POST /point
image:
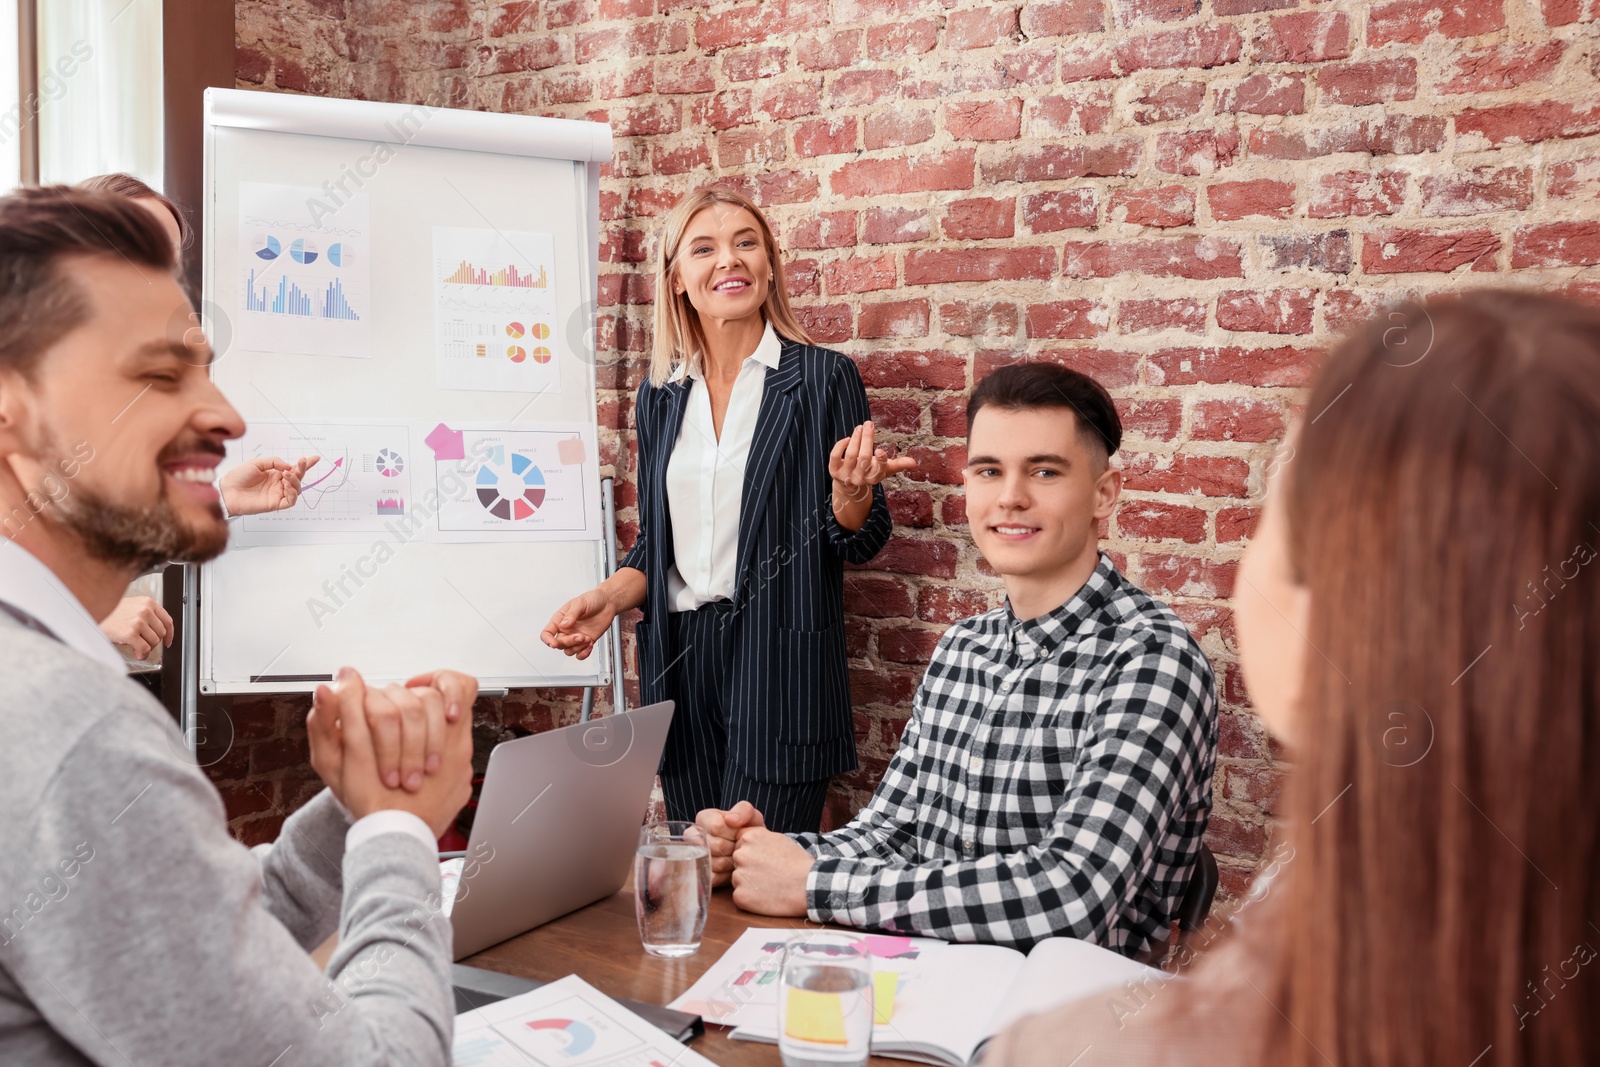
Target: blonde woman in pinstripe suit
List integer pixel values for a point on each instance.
(758, 480)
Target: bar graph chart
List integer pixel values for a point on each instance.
(287, 298)
(470, 274)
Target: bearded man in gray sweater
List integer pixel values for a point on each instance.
(133, 929)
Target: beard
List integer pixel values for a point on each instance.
(136, 538)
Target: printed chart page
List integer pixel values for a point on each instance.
(564, 1024)
(494, 297)
(305, 279)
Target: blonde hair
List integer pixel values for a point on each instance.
(678, 336)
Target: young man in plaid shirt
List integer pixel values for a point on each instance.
(1055, 777)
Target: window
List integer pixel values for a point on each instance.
(10, 98)
(100, 99)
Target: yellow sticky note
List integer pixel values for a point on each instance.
(884, 983)
(815, 1017)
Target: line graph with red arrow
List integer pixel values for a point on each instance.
(313, 493)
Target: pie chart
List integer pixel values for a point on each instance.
(514, 329)
(269, 247)
(389, 463)
(516, 353)
(579, 1037)
(513, 493)
(541, 355)
(541, 330)
(302, 251)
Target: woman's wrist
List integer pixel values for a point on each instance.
(620, 589)
(851, 504)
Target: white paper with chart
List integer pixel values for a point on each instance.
(568, 1023)
(304, 275)
(494, 297)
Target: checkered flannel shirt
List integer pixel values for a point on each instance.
(1055, 778)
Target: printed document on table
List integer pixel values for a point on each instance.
(564, 1024)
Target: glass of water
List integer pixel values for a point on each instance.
(671, 887)
(825, 1001)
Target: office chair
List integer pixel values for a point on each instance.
(1193, 909)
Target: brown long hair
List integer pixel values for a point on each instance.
(678, 336)
(1443, 509)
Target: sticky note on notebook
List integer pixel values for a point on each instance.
(815, 1017)
(887, 948)
(884, 984)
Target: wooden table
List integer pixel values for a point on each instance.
(600, 944)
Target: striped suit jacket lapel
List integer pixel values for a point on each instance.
(772, 431)
(677, 403)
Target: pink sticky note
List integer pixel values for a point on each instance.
(570, 451)
(887, 948)
(446, 443)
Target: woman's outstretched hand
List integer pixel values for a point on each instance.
(578, 623)
(856, 464)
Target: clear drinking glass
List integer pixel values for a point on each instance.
(671, 887)
(825, 1002)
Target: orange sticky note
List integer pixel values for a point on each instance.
(817, 1017)
(884, 984)
(570, 451)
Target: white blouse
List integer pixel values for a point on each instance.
(705, 481)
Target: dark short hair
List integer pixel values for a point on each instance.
(1024, 386)
(134, 189)
(40, 301)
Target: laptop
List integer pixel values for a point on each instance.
(557, 824)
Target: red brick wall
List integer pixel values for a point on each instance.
(1187, 198)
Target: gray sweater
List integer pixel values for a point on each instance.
(135, 931)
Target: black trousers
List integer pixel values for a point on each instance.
(698, 773)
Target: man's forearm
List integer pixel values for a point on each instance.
(301, 880)
(1024, 898)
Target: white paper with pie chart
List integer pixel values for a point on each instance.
(538, 484)
(495, 310)
(305, 283)
(565, 1023)
(359, 488)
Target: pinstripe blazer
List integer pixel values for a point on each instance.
(789, 697)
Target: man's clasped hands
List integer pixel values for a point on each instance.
(396, 747)
(768, 870)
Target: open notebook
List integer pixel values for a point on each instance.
(935, 1002)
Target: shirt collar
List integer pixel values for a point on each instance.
(29, 586)
(1047, 631)
(769, 350)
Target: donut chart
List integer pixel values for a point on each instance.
(510, 494)
(579, 1036)
(389, 463)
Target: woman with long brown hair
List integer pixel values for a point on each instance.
(1419, 617)
(758, 480)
